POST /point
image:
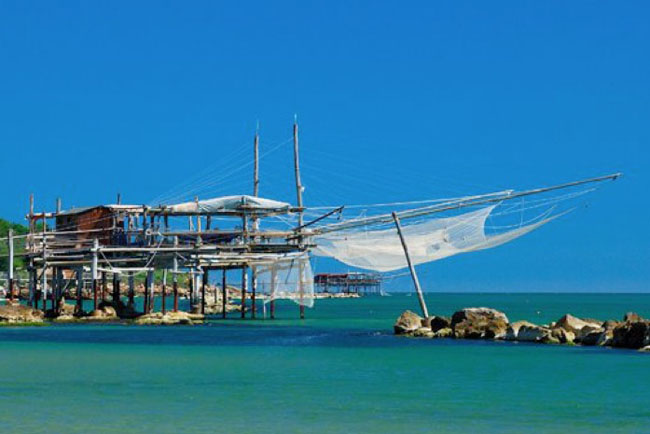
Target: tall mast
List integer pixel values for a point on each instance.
(256, 170)
(296, 165)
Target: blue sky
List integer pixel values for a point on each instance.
(395, 101)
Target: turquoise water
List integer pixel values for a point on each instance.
(341, 370)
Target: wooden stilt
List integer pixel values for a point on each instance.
(10, 271)
(414, 276)
(224, 294)
(44, 275)
(145, 304)
(116, 287)
(104, 286)
(93, 270)
(253, 293)
(203, 284)
(150, 290)
(164, 292)
(131, 295)
(80, 285)
(175, 277)
(274, 276)
(244, 282)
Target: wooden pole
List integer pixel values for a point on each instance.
(119, 199)
(104, 286)
(131, 295)
(224, 294)
(150, 291)
(274, 276)
(244, 282)
(44, 276)
(175, 276)
(10, 273)
(203, 285)
(32, 244)
(414, 276)
(164, 291)
(255, 222)
(80, 285)
(116, 287)
(32, 284)
(93, 270)
(299, 188)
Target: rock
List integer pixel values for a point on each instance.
(423, 332)
(535, 333)
(587, 330)
(443, 333)
(407, 322)
(479, 323)
(513, 329)
(66, 318)
(66, 309)
(436, 322)
(563, 336)
(169, 318)
(645, 349)
(105, 312)
(632, 335)
(574, 324)
(632, 317)
(18, 313)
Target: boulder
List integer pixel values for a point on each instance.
(408, 322)
(645, 349)
(479, 323)
(18, 313)
(423, 332)
(436, 322)
(443, 333)
(563, 336)
(535, 333)
(632, 335)
(575, 325)
(169, 318)
(105, 312)
(632, 317)
(513, 329)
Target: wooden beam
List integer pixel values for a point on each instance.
(414, 276)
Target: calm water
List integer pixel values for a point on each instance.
(341, 370)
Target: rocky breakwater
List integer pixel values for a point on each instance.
(169, 318)
(485, 323)
(17, 314)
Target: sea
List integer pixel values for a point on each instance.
(341, 370)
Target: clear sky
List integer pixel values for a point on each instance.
(396, 101)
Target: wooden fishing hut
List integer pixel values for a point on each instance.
(92, 243)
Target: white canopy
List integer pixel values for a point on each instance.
(230, 203)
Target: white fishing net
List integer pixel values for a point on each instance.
(287, 278)
(428, 240)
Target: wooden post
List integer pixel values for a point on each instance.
(32, 229)
(119, 199)
(190, 281)
(44, 276)
(104, 286)
(58, 205)
(224, 294)
(10, 273)
(274, 278)
(116, 287)
(299, 188)
(203, 284)
(164, 291)
(175, 276)
(80, 285)
(131, 294)
(199, 241)
(150, 290)
(256, 223)
(414, 276)
(244, 282)
(33, 301)
(93, 270)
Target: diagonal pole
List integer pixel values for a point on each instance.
(416, 281)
